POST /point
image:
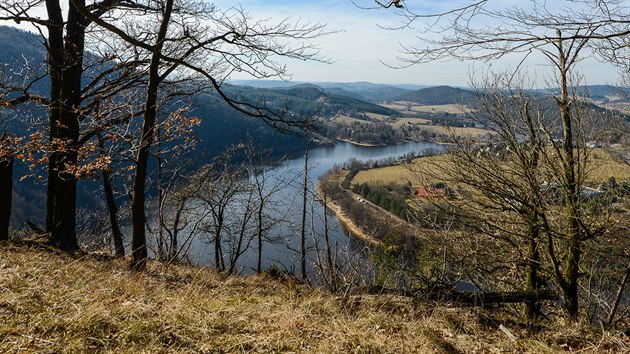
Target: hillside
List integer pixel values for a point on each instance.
(19, 45)
(439, 95)
(604, 93)
(307, 99)
(52, 302)
(366, 91)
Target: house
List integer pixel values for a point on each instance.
(430, 193)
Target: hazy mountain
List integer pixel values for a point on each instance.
(603, 93)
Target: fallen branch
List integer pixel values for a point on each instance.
(488, 298)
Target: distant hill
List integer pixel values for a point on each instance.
(349, 86)
(19, 45)
(439, 95)
(362, 90)
(601, 94)
(306, 99)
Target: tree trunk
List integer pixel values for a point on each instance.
(331, 263)
(218, 252)
(6, 191)
(117, 236)
(55, 63)
(622, 286)
(139, 252)
(532, 278)
(484, 299)
(161, 242)
(65, 129)
(571, 189)
(303, 230)
(259, 233)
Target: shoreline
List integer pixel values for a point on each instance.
(360, 144)
(403, 141)
(348, 224)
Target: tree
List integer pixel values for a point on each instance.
(112, 209)
(266, 184)
(563, 35)
(504, 199)
(6, 184)
(71, 101)
(197, 40)
(303, 227)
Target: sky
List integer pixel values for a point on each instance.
(361, 46)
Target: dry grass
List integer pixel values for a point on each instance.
(602, 166)
(457, 131)
(348, 120)
(54, 303)
(380, 117)
(399, 173)
(390, 174)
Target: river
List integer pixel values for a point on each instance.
(284, 251)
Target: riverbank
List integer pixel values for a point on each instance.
(365, 220)
(360, 144)
(348, 224)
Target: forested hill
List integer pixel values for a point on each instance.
(18, 45)
(306, 99)
(439, 95)
(366, 91)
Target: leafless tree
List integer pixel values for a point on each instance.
(564, 33)
(112, 208)
(197, 40)
(73, 97)
(193, 38)
(6, 183)
(267, 182)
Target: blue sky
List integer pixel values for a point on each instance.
(361, 45)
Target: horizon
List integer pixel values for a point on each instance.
(394, 84)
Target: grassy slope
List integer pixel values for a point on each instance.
(602, 166)
(51, 302)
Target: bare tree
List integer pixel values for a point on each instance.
(6, 183)
(564, 34)
(303, 246)
(112, 209)
(183, 215)
(267, 183)
(197, 40)
(70, 102)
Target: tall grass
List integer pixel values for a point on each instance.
(54, 303)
